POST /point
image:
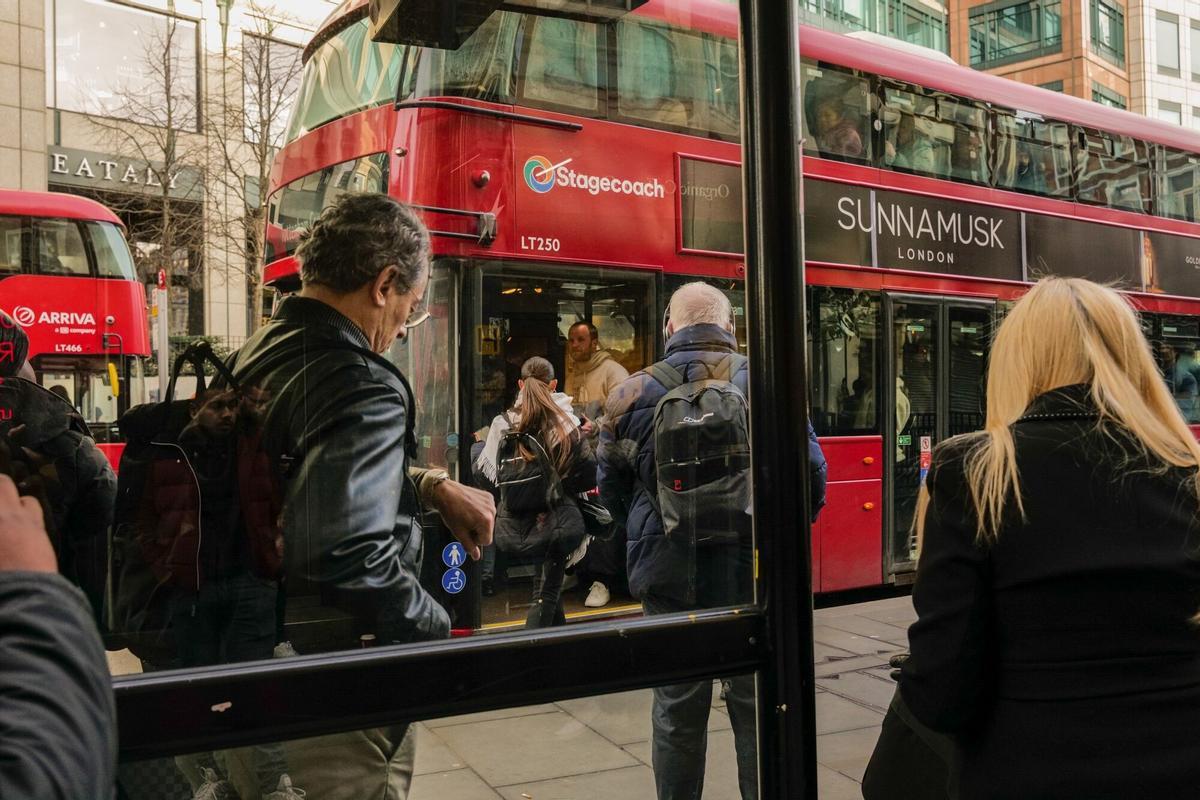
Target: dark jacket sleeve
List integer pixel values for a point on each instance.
(946, 679)
(342, 507)
(616, 472)
(56, 704)
(581, 475)
(88, 519)
(817, 473)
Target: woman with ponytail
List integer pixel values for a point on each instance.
(1058, 582)
(541, 463)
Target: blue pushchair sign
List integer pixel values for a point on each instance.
(454, 580)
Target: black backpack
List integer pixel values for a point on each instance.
(526, 486)
(702, 455)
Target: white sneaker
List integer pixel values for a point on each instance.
(286, 791)
(598, 596)
(214, 787)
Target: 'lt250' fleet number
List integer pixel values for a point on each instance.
(541, 244)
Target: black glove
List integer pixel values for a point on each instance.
(896, 662)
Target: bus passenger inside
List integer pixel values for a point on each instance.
(967, 160)
(837, 127)
(908, 145)
(1180, 373)
(1029, 175)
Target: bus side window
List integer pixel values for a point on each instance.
(1178, 191)
(1112, 170)
(562, 65)
(844, 345)
(58, 248)
(10, 244)
(1032, 155)
(837, 114)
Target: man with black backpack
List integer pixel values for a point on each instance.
(674, 467)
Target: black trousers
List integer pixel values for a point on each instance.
(910, 762)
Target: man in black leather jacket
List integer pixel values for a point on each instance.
(336, 421)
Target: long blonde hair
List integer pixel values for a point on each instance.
(1069, 331)
(537, 413)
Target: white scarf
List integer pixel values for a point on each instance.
(488, 461)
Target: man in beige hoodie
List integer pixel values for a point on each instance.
(593, 372)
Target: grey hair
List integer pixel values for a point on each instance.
(698, 303)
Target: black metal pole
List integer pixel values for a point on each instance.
(778, 389)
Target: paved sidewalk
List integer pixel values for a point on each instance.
(598, 748)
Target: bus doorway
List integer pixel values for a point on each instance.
(515, 312)
(937, 351)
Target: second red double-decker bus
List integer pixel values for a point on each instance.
(581, 170)
(67, 277)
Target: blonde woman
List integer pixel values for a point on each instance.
(1059, 582)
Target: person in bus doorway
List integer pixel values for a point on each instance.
(690, 539)
(591, 378)
(338, 436)
(80, 484)
(540, 461)
(1180, 381)
(1058, 584)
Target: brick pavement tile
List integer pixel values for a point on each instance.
(830, 668)
(459, 784)
(720, 765)
(630, 783)
(833, 785)
(432, 753)
(625, 717)
(532, 748)
(872, 629)
(862, 687)
(838, 714)
(484, 716)
(854, 643)
(847, 751)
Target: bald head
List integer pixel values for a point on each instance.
(698, 303)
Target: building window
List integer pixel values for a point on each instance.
(1195, 42)
(898, 19)
(1170, 112)
(1105, 96)
(1166, 34)
(1015, 32)
(1108, 31)
(111, 60)
(270, 80)
(1054, 86)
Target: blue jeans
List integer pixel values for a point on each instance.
(229, 621)
(679, 714)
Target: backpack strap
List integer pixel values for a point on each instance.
(728, 366)
(665, 374)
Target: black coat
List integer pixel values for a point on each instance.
(1062, 657)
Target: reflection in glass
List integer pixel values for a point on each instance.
(844, 358)
(601, 746)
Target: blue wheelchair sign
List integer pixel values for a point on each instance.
(454, 580)
(454, 555)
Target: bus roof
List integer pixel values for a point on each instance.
(720, 18)
(54, 204)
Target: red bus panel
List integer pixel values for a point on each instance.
(71, 315)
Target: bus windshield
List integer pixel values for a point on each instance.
(112, 254)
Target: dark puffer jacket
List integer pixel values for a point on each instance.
(626, 464)
(335, 420)
(80, 484)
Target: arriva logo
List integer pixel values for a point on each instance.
(26, 316)
(541, 176)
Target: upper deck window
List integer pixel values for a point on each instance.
(934, 134)
(837, 113)
(562, 64)
(1112, 170)
(112, 254)
(1178, 189)
(677, 78)
(58, 248)
(1032, 154)
(346, 74)
(10, 244)
(484, 67)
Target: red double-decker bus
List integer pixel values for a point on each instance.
(575, 169)
(67, 277)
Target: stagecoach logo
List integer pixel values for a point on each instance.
(26, 316)
(541, 176)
